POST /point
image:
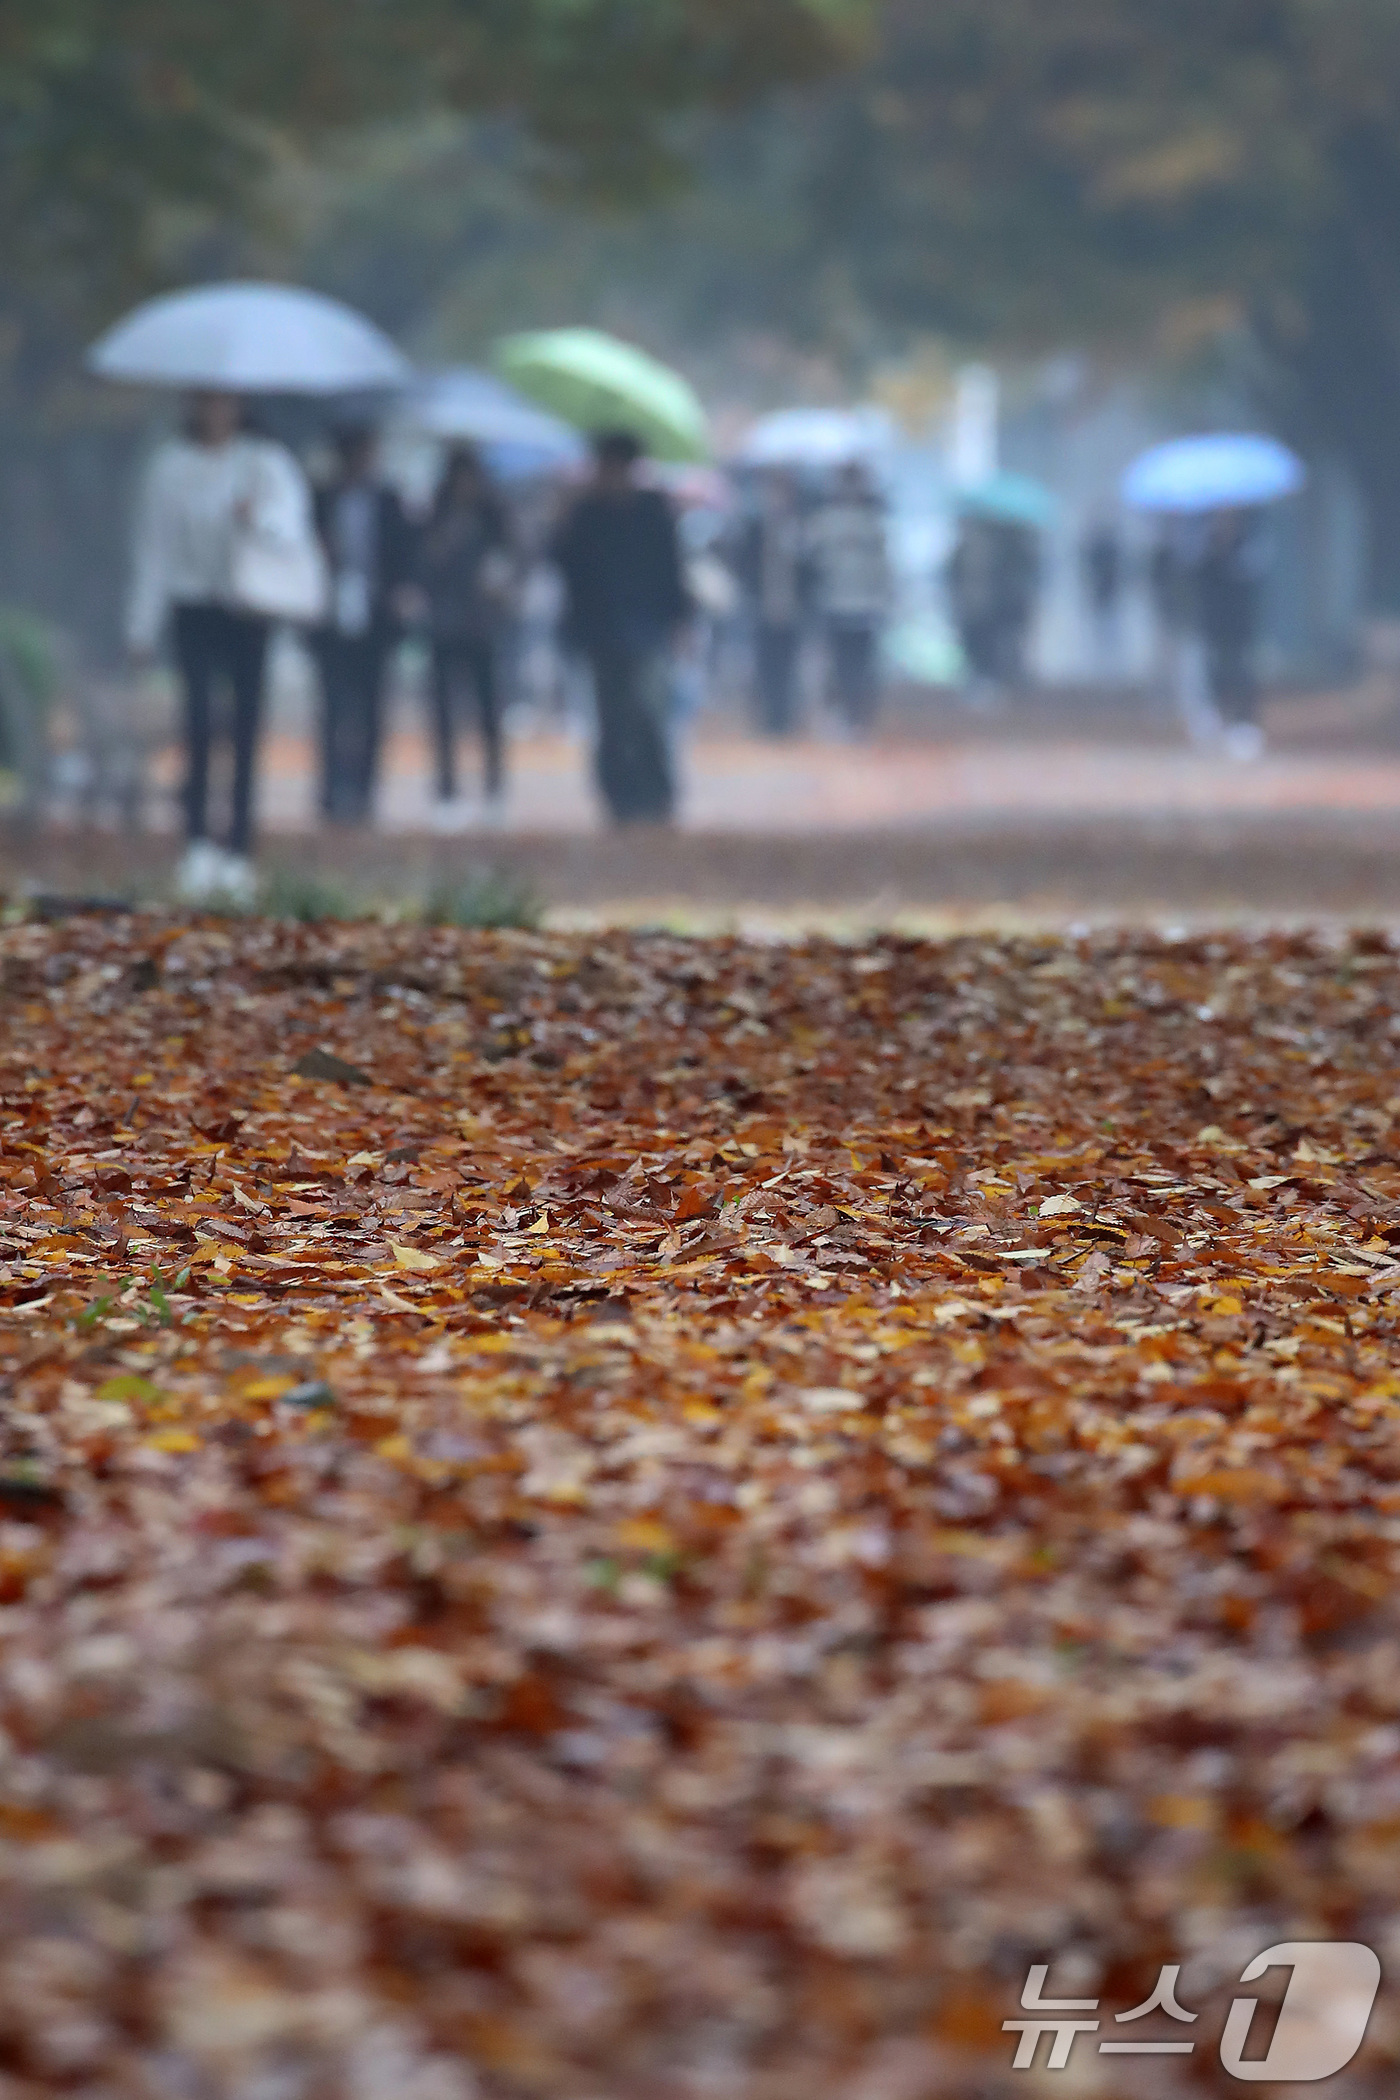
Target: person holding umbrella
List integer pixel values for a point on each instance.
(619, 553)
(224, 546)
(226, 543)
(1212, 491)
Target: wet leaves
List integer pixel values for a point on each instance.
(680, 1558)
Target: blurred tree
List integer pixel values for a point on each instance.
(1042, 171)
(123, 119)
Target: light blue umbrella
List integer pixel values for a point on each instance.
(1228, 471)
(818, 437)
(463, 404)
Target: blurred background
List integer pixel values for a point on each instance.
(959, 266)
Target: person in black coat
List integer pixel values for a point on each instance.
(369, 553)
(466, 573)
(618, 551)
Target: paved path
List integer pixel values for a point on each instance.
(731, 783)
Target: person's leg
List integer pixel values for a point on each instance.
(333, 656)
(245, 658)
(847, 670)
(610, 704)
(441, 692)
(777, 664)
(195, 657)
(863, 646)
(364, 678)
(486, 683)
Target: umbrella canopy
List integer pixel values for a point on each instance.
(250, 339)
(1011, 499)
(473, 406)
(817, 437)
(595, 382)
(1224, 472)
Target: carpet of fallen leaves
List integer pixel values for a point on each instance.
(633, 1519)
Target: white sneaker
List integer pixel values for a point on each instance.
(1244, 742)
(238, 880)
(200, 873)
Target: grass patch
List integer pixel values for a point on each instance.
(484, 897)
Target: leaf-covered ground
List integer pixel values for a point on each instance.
(626, 1519)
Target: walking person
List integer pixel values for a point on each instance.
(1228, 580)
(851, 589)
(770, 561)
(466, 571)
(368, 546)
(618, 551)
(225, 546)
(1102, 569)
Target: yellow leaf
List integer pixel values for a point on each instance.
(392, 1298)
(393, 1447)
(414, 1258)
(1060, 1206)
(645, 1535)
(173, 1440)
(542, 1226)
(267, 1388)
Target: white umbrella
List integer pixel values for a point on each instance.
(817, 437)
(250, 339)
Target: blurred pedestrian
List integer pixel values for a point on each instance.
(972, 580)
(466, 572)
(993, 578)
(225, 545)
(1102, 569)
(1228, 583)
(770, 560)
(618, 551)
(369, 553)
(852, 589)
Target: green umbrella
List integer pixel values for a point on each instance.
(597, 383)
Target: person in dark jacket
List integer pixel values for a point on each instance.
(466, 570)
(368, 545)
(618, 551)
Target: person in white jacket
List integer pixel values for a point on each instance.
(224, 546)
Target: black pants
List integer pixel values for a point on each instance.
(775, 662)
(852, 644)
(352, 706)
(468, 661)
(634, 754)
(220, 653)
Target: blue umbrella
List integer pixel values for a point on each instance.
(466, 405)
(1229, 471)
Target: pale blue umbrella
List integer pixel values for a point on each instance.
(1225, 471)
